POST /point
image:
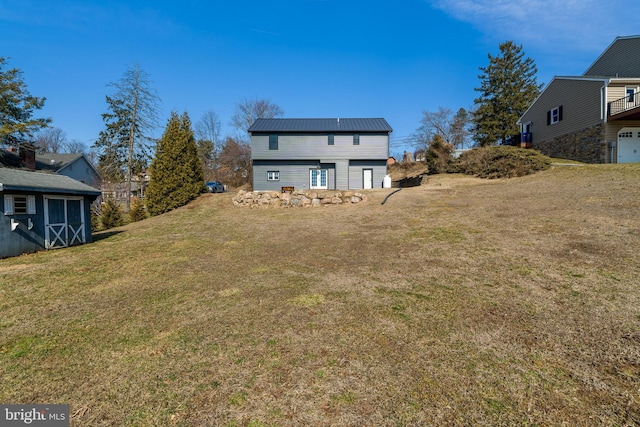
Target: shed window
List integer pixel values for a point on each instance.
(356, 139)
(331, 139)
(19, 205)
(273, 142)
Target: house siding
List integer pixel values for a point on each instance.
(582, 121)
(356, 168)
(620, 59)
(82, 171)
(312, 146)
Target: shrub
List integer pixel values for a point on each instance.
(501, 162)
(111, 214)
(137, 211)
(96, 212)
(438, 155)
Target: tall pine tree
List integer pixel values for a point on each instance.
(176, 170)
(508, 87)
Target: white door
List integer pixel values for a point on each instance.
(318, 179)
(367, 179)
(629, 145)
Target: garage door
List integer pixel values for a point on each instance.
(629, 145)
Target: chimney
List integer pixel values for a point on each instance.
(28, 156)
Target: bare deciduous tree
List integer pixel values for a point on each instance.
(207, 132)
(248, 110)
(51, 140)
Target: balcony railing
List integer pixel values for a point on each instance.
(627, 103)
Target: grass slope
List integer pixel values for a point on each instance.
(462, 302)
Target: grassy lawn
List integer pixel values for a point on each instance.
(461, 302)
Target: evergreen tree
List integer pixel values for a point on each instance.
(111, 214)
(17, 107)
(125, 144)
(176, 170)
(508, 86)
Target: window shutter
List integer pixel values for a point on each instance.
(31, 205)
(560, 113)
(548, 117)
(8, 204)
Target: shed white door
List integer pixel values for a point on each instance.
(63, 221)
(367, 179)
(629, 145)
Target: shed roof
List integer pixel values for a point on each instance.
(20, 180)
(321, 125)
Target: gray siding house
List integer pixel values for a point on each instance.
(329, 154)
(595, 117)
(42, 211)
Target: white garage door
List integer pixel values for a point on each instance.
(629, 145)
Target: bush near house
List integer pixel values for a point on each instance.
(438, 156)
(137, 212)
(111, 214)
(500, 162)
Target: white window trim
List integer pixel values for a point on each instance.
(273, 175)
(626, 93)
(8, 204)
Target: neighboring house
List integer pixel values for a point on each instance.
(319, 153)
(74, 166)
(42, 211)
(593, 118)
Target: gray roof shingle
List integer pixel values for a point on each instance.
(20, 180)
(321, 125)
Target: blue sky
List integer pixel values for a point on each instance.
(314, 58)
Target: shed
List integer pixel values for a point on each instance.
(42, 211)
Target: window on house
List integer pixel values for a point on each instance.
(273, 176)
(356, 139)
(631, 94)
(273, 142)
(331, 139)
(19, 205)
(554, 115)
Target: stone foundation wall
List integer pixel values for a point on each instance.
(587, 145)
(296, 199)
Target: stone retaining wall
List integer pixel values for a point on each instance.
(296, 199)
(587, 145)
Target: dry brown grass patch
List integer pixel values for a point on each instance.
(460, 302)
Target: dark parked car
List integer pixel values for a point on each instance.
(215, 186)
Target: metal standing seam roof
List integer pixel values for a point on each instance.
(20, 180)
(321, 125)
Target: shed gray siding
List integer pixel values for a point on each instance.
(22, 240)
